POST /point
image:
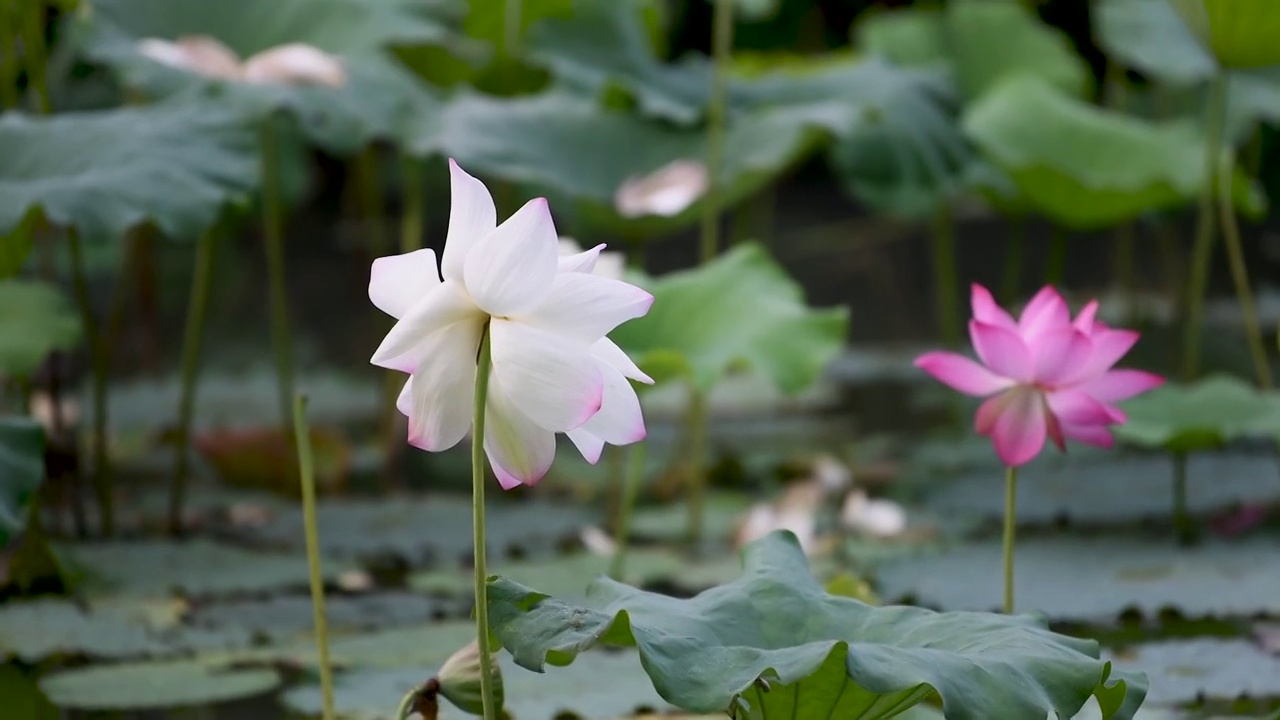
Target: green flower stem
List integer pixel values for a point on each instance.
(697, 464)
(511, 27)
(100, 362)
(1181, 521)
(484, 363)
(1126, 271)
(8, 58)
(405, 710)
(273, 235)
(307, 476)
(630, 489)
(1202, 250)
(946, 278)
(369, 195)
(1240, 278)
(1010, 526)
(192, 335)
(721, 46)
(1015, 251)
(1056, 265)
(34, 51)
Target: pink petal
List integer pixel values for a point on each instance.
(396, 282)
(552, 379)
(402, 349)
(519, 450)
(471, 217)
(1084, 322)
(1055, 431)
(1002, 351)
(962, 374)
(620, 420)
(1076, 408)
(1108, 347)
(984, 422)
(1046, 311)
(587, 307)
(510, 270)
(438, 397)
(1095, 435)
(505, 479)
(1059, 353)
(583, 262)
(986, 310)
(1019, 431)
(590, 446)
(1116, 385)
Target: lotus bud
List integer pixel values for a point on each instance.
(667, 191)
(199, 54)
(295, 64)
(459, 680)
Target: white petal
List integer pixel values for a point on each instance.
(519, 451)
(471, 217)
(511, 269)
(396, 282)
(552, 379)
(580, 262)
(591, 446)
(620, 420)
(295, 64)
(587, 307)
(401, 348)
(608, 351)
(437, 398)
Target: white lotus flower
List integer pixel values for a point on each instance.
(554, 371)
(609, 264)
(288, 64)
(665, 192)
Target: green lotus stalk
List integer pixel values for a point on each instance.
(1181, 520)
(192, 336)
(8, 58)
(406, 708)
(1015, 250)
(1125, 270)
(369, 194)
(721, 47)
(273, 235)
(511, 27)
(1010, 528)
(630, 489)
(1240, 279)
(698, 418)
(34, 51)
(100, 362)
(1056, 265)
(946, 278)
(307, 476)
(483, 367)
(1202, 250)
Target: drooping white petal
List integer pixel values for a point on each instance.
(579, 262)
(437, 398)
(510, 270)
(396, 282)
(589, 445)
(518, 449)
(587, 307)
(620, 420)
(608, 351)
(446, 304)
(552, 379)
(471, 217)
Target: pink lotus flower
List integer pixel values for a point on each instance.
(1043, 375)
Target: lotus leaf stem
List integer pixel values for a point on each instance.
(192, 335)
(630, 489)
(100, 363)
(1010, 527)
(697, 464)
(1202, 250)
(307, 476)
(1126, 270)
(511, 27)
(1181, 520)
(946, 278)
(273, 235)
(1014, 252)
(722, 46)
(9, 96)
(34, 51)
(1056, 265)
(484, 364)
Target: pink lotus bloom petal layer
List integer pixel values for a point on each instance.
(961, 373)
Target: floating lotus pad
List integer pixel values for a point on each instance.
(153, 685)
(1183, 671)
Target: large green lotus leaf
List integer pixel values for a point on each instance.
(35, 320)
(372, 104)
(21, 472)
(1201, 416)
(990, 40)
(1242, 33)
(1238, 578)
(154, 685)
(22, 697)
(910, 37)
(740, 310)
(1085, 167)
(774, 644)
(102, 173)
(1151, 36)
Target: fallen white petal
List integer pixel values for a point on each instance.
(295, 64)
(200, 54)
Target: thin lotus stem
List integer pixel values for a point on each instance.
(1057, 262)
(1171, 263)
(1240, 278)
(1181, 520)
(273, 234)
(307, 476)
(946, 278)
(1202, 250)
(484, 363)
(697, 463)
(34, 47)
(369, 194)
(511, 27)
(1015, 250)
(1010, 526)
(8, 58)
(722, 46)
(99, 360)
(630, 489)
(192, 336)
(1126, 271)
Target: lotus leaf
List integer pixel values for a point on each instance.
(21, 472)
